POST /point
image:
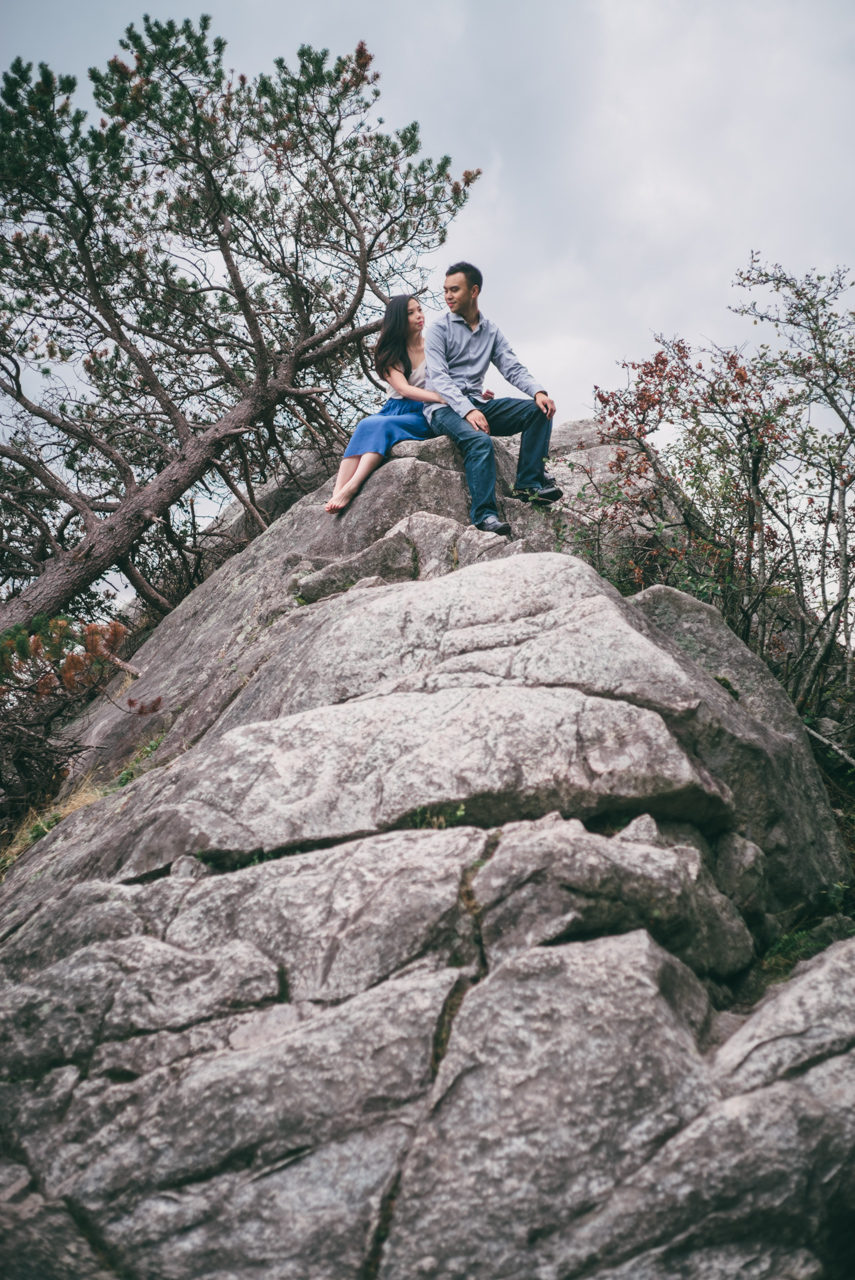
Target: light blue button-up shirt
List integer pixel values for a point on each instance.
(458, 358)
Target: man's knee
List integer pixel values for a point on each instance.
(479, 443)
(534, 414)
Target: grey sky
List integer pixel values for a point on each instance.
(634, 151)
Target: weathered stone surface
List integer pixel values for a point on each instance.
(371, 764)
(742, 872)
(113, 990)
(443, 545)
(727, 1262)
(546, 1035)
(438, 451)
(555, 882)
(705, 637)
(420, 546)
(513, 687)
(204, 652)
(331, 923)
(293, 1140)
(618, 1182)
(86, 913)
(434, 539)
(805, 1021)
(38, 1238)
(337, 922)
(702, 634)
(583, 468)
(310, 1219)
(773, 1165)
(392, 558)
(356, 1041)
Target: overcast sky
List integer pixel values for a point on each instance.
(634, 151)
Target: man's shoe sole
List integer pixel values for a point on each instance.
(539, 495)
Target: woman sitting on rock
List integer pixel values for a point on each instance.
(400, 359)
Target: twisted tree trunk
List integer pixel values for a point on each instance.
(111, 540)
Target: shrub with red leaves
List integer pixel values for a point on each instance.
(48, 672)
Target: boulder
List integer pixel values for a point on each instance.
(796, 1026)
(269, 1152)
(703, 635)
(204, 652)
(511, 687)
(214, 641)
(755, 1184)
(554, 881)
(39, 1237)
(391, 559)
(414, 944)
(327, 775)
(490, 1180)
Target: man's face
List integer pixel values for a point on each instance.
(458, 292)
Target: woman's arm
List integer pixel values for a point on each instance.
(397, 381)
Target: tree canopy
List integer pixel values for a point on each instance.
(187, 287)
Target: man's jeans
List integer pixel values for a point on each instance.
(506, 417)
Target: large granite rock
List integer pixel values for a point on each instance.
(703, 635)
(562, 882)
(638, 1171)
(415, 952)
(511, 688)
(204, 652)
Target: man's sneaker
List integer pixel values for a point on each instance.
(492, 524)
(544, 493)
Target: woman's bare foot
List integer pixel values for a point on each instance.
(340, 500)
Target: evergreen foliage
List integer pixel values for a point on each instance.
(187, 288)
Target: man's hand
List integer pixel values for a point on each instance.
(545, 405)
(476, 419)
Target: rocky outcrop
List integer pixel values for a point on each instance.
(414, 952)
(702, 634)
(235, 527)
(411, 521)
(514, 687)
(205, 651)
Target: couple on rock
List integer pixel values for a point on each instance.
(437, 391)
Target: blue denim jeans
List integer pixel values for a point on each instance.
(507, 417)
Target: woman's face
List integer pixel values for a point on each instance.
(415, 318)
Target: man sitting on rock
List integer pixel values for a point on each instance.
(458, 349)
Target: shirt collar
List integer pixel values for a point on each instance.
(482, 320)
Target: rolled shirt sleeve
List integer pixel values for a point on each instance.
(438, 374)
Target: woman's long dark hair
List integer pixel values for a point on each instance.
(392, 344)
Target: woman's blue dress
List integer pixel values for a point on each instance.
(398, 420)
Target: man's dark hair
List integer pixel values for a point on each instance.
(472, 274)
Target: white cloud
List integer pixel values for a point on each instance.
(634, 151)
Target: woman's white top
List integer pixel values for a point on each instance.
(418, 378)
